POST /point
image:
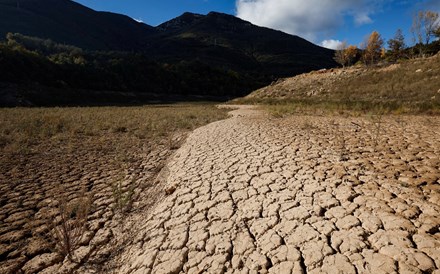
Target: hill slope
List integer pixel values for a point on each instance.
(220, 39)
(71, 23)
(213, 55)
(216, 39)
(411, 86)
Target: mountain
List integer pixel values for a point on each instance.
(191, 55)
(217, 39)
(225, 40)
(71, 23)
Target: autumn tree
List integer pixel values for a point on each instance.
(383, 53)
(397, 45)
(345, 55)
(373, 48)
(351, 53)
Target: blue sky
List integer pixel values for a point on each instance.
(324, 22)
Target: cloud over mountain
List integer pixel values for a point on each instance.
(331, 44)
(312, 19)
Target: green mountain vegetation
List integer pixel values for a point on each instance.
(68, 22)
(62, 53)
(225, 40)
(40, 72)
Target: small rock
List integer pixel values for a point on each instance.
(170, 190)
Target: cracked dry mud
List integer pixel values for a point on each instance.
(29, 186)
(251, 194)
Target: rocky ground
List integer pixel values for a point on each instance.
(305, 194)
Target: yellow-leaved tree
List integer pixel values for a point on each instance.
(345, 55)
(373, 48)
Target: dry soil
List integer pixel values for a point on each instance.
(305, 194)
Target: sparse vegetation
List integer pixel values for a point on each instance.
(123, 196)
(65, 166)
(341, 143)
(409, 87)
(376, 122)
(67, 229)
(22, 129)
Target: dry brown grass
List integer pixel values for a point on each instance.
(410, 87)
(22, 129)
(67, 230)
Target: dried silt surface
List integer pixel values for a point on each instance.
(253, 194)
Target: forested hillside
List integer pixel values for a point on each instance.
(40, 72)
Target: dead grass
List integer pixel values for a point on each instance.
(67, 230)
(410, 87)
(22, 129)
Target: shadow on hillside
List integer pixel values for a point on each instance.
(14, 95)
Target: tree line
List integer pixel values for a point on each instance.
(425, 26)
(36, 62)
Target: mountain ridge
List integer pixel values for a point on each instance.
(72, 23)
(215, 54)
(217, 39)
(216, 34)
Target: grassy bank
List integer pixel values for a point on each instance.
(280, 109)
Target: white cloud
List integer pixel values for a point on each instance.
(362, 19)
(310, 19)
(331, 44)
(138, 20)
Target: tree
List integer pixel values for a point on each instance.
(340, 54)
(437, 32)
(383, 53)
(431, 23)
(397, 45)
(351, 53)
(416, 29)
(373, 48)
(424, 26)
(345, 55)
